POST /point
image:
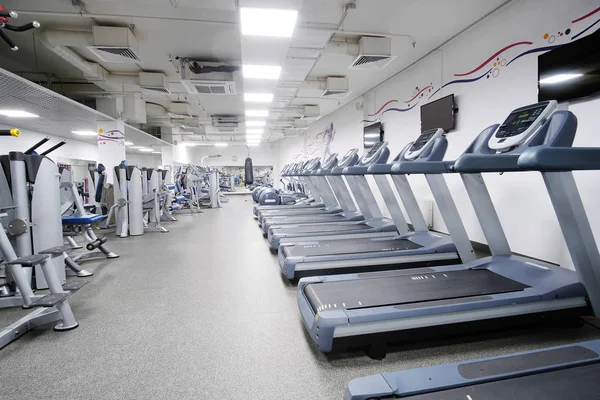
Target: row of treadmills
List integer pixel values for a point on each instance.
(367, 280)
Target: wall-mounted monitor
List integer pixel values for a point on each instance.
(372, 134)
(438, 114)
(571, 71)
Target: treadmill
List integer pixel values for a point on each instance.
(377, 154)
(561, 372)
(420, 248)
(293, 171)
(334, 190)
(319, 185)
(495, 292)
(375, 225)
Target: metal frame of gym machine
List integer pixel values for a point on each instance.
(501, 290)
(571, 369)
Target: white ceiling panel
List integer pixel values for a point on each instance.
(296, 69)
(312, 38)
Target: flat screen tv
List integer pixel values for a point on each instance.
(438, 114)
(571, 71)
(372, 134)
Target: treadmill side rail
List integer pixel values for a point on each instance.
(441, 377)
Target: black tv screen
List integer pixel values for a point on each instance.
(571, 71)
(372, 134)
(438, 114)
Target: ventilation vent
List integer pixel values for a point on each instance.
(371, 62)
(209, 87)
(226, 123)
(373, 53)
(155, 82)
(336, 87)
(114, 44)
(335, 94)
(158, 89)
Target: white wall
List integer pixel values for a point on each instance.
(521, 198)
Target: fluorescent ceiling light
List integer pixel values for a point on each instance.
(146, 150)
(128, 143)
(221, 144)
(254, 131)
(85, 133)
(137, 147)
(188, 144)
(256, 123)
(257, 113)
(559, 78)
(258, 97)
(156, 152)
(253, 137)
(268, 22)
(261, 71)
(18, 114)
(252, 144)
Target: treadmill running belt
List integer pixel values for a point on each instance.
(408, 289)
(334, 247)
(318, 229)
(305, 219)
(564, 384)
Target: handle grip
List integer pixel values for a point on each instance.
(10, 132)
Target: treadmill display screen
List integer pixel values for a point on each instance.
(372, 151)
(422, 140)
(519, 121)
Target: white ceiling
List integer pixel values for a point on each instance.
(208, 30)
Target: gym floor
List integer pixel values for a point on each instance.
(203, 312)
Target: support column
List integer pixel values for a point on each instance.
(111, 145)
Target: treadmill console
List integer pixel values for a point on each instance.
(520, 125)
(330, 160)
(422, 143)
(312, 164)
(347, 158)
(374, 151)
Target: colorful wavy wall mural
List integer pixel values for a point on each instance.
(114, 136)
(495, 63)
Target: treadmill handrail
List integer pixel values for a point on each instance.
(475, 163)
(422, 167)
(560, 159)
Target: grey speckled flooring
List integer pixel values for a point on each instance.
(202, 312)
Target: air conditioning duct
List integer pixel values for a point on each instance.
(370, 52)
(213, 83)
(373, 53)
(114, 44)
(155, 82)
(194, 86)
(180, 110)
(336, 88)
(311, 112)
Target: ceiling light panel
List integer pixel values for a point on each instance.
(258, 97)
(256, 123)
(259, 131)
(257, 113)
(253, 138)
(268, 22)
(21, 113)
(254, 71)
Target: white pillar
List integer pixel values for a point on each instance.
(111, 145)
